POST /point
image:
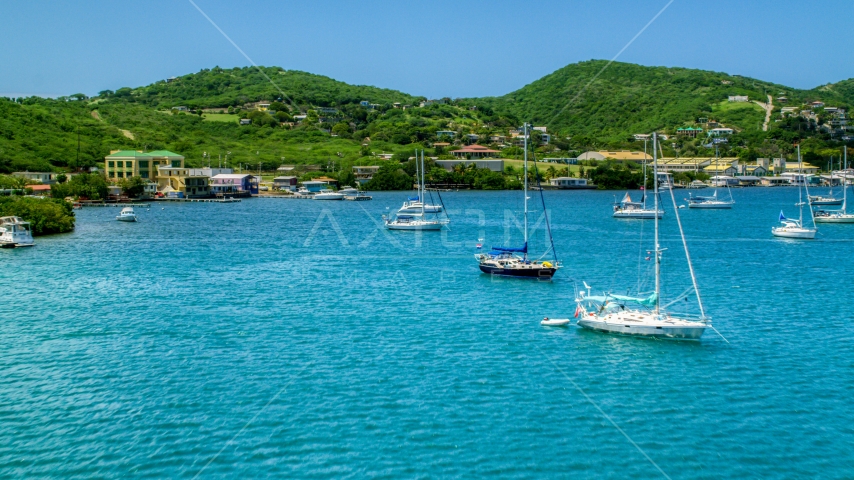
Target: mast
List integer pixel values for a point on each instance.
(800, 197)
(526, 188)
(657, 250)
(644, 174)
(421, 195)
(844, 178)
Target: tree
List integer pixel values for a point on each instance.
(61, 178)
(390, 177)
(341, 129)
(132, 187)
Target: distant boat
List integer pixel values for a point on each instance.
(417, 220)
(643, 316)
(837, 216)
(348, 190)
(696, 185)
(328, 195)
(709, 202)
(126, 215)
(795, 228)
(829, 199)
(15, 232)
(629, 209)
(514, 261)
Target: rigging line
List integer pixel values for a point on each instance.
(543, 200)
(602, 412)
(687, 254)
(284, 95)
(610, 61)
(719, 333)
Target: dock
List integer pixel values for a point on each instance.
(199, 200)
(143, 205)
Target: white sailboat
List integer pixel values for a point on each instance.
(629, 209)
(841, 215)
(795, 228)
(419, 220)
(711, 202)
(644, 316)
(830, 199)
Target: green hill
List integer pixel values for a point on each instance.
(623, 99)
(595, 108)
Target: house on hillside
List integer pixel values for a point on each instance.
(245, 121)
(689, 131)
(134, 163)
(475, 151)
(738, 98)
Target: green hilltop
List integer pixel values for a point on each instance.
(584, 106)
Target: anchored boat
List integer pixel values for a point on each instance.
(15, 232)
(644, 315)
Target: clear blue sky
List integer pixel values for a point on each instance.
(443, 48)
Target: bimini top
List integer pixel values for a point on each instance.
(649, 301)
(522, 249)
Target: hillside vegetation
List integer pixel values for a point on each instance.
(583, 106)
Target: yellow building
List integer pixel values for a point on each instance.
(187, 181)
(132, 163)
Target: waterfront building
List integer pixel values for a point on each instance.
(285, 183)
(134, 163)
(242, 183)
(183, 181)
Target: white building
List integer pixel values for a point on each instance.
(738, 98)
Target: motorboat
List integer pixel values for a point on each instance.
(795, 228)
(829, 199)
(15, 232)
(696, 185)
(127, 215)
(328, 195)
(349, 191)
(514, 261)
(644, 315)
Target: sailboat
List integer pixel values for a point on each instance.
(514, 261)
(629, 209)
(712, 202)
(838, 216)
(829, 199)
(795, 228)
(644, 316)
(418, 220)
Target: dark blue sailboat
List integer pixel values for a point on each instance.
(514, 261)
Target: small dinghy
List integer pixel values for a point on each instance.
(554, 322)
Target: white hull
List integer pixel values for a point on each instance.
(554, 322)
(417, 225)
(679, 329)
(711, 205)
(803, 233)
(126, 218)
(838, 218)
(642, 214)
(329, 196)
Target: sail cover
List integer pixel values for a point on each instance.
(412, 199)
(522, 249)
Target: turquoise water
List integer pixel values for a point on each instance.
(296, 338)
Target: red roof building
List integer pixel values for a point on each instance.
(475, 151)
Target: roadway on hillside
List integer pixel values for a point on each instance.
(768, 107)
(126, 133)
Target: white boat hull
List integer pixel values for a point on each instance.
(414, 226)
(554, 322)
(642, 214)
(711, 205)
(126, 218)
(659, 329)
(329, 196)
(802, 233)
(840, 218)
